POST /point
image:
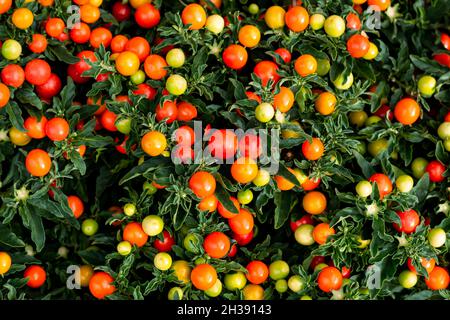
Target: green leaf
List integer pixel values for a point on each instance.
(421, 295)
(420, 190)
(285, 173)
(27, 96)
(441, 154)
(223, 197)
(151, 286)
(78, 161)
(427, 65)
(61, 53)
(9, 238)
(179, 216)
(15, 115)
(37, 228)
(53, 208)
(92, 256)
(152, 163)
(284, 203)
(239, 90)
(365, 166)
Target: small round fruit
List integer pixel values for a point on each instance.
(257, 272)
(323, 67)
(86, 273)
(38, 163)
(426, 85)
(281, 285)
(407, 279)
(342, 83)
(138, 77)
(316, 21)
(364, 188)
(124, 248)
(19, 138)
(162, 261)
(253, 292)
(203, 276)
(127, 63)
(321, 232)
(134, 234)
(372, 53)
(296, 283)
(242, 223)
(383, 182)
(304, 234)
(275, 17)
(57, 129)
(444, 130)
(182, 270)
(129, 209)
(418, 167)
(407, 111)
(176, 84)
(244, 170)
(147, 16)
(37, 72)
(11, 49)
(36, 276)
(5, 94)
(358, 46)
(245, 196)
(175, 58)
(329, 279)
(101, 285)
(235, 56)
(89, 227)
(216, 245)
(152, 225)
(305, 65)
(435, 170)
(377, 147)
(235, 281)
(358, 118)
(203, 184)
(409, 220)
(278, 270)
(404, 183)
(5, 263)
(249, 36)
(313, 150)
(334, 26)
(314, 202)
(215, 290)
(123, 125)
(194, 15)
(438, 279)
(262, 178)
(76, 205)
(437, 237)
(22, 18)
(264, 112)
(175, 293)
(253, 8)
(297, 18)
(215, 23)
(325, 103)
(153, 143)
